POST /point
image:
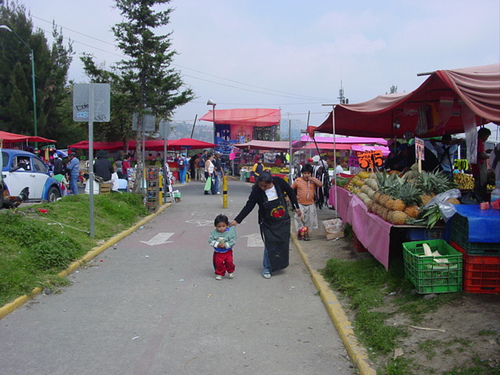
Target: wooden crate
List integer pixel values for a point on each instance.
(105, 188)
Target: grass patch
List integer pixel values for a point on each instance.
(36, 246)
(479, 367)
(370, 289)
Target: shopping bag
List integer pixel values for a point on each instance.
(208, 184)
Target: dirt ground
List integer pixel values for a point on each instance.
(451, 336)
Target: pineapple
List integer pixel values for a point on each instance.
(412, 211)
(398, 217)
(398, 205)
(425, 199)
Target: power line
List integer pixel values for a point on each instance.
(278, 93)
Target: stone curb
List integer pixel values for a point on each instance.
(20, 301)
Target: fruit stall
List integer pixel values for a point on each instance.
(387, 211)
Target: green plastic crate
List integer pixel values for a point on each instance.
(430, 276)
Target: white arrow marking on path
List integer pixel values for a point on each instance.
(254, 240)
(159, 239)
(201, 222)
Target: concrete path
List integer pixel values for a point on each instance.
(150, 304)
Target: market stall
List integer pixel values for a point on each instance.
(448, 102)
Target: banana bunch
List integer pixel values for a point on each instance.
(490, 187)
(464, 181)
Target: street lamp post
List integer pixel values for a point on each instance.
(212, 103)
(32, 56)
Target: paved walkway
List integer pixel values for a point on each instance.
(150, 304)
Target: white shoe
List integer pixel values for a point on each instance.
(218, 192)
(266, 275)
(231, 275)
(218, 277)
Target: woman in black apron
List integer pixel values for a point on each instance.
(269, 193)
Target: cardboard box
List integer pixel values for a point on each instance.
(334, 228)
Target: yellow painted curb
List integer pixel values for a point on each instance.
(358, 353)
(18, 302)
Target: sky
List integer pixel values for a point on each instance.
(293, 55)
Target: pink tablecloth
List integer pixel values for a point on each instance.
(371, 230)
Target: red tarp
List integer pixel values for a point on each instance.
(265, 145)
(109, 146)
(188, 143)
(173, 144)
(16, 138)
(151, 145)
(245, 116)
(345, 140)
(436, 104)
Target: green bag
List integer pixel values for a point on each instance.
(208, 184)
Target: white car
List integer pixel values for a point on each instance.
(25, 174)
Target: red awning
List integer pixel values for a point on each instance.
(108, 146)
(15, 138)
(245, 116)
(432, 109)
(188, 143)
(265, 145)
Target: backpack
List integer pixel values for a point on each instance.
(181, 162)
(201, 162)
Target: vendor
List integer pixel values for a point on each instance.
(480, 169)
(258, 167)
(429, 164)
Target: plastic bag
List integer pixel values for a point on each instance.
(447, 209)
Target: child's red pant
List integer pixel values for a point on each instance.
(223, 262)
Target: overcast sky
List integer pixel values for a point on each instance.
(293, 54)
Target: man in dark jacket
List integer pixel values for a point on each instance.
(102, 166)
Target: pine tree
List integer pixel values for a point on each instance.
(148, 79)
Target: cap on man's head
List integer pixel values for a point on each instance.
(183, 154)
(445, 138)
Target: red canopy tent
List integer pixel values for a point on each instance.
(442, 104)
(173, 144)
(9, 138)
(264, 145)
(245, 116)
(151, 145)
(109, 146)
(188, 143)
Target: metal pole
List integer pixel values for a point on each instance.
(213, 113)
(194, 123)
(91, 159)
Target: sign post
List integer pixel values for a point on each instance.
(91, 102)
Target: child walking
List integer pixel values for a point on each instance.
(222, 239)
(305, 187)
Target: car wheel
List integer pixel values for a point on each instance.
(53, 194)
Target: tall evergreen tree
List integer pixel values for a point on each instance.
(51, 69)
(148, 79)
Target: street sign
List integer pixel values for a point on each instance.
(164, 129)
(148, 122)
(101, 103)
